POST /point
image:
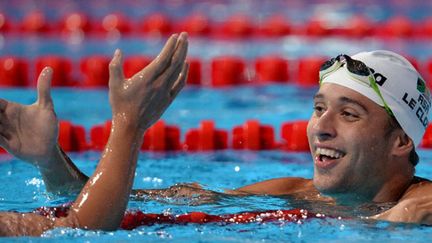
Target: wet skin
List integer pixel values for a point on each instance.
(361, 167)
(357, 161)
(354, 152)
(136, 104)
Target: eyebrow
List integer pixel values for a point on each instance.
(344, 100)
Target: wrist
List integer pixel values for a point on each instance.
(124, 122)
(126, 129)
(51, 159)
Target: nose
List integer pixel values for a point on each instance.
(323, 127)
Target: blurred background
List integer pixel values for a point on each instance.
(68, 33)
(249, 59)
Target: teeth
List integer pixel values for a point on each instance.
(329, 152)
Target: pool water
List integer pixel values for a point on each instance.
(23, 188)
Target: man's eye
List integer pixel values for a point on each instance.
(349, 114)
(318, 109)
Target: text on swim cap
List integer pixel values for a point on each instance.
(379, 78)
(421, 107)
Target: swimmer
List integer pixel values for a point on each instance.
(136, 104)
(369, 116)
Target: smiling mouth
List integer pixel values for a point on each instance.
(325, 156)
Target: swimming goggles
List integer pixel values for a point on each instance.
(357, 70)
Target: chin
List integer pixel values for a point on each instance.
(328, 185)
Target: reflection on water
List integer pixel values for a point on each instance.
(216, 172)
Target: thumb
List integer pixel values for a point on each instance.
(44, 87)
(116, 69)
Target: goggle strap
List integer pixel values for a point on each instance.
(374, 86)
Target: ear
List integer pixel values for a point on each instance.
(402, 145)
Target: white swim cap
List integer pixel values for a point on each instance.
(401, 86)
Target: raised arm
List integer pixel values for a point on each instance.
(194, 194)
(136, 104)
(30, 133)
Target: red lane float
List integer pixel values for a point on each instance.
(160, 137)
(275, 26)
(308, 70)
(237, 26)
(253, 136)
(205, 138)
(61, 66)
(113, 23)
(358, 26)
(132, 220)
(13, 72)
(294, 137)
(95, 71)
(72, 138)
(426, 27)
(429, 73)
(234, 26)
(194, 75)
(5, 24)
(35, 22)
(427, 138)
(195, 25)
(134, 64)
(155, 24)
(317, 27)
(271, 69)
(227, 70)
(73, 23)
(397, 26)
(99, 135)
(135, 219)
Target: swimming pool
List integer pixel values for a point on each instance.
(217, 171)
(272, 104)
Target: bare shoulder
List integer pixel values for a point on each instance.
(419, 188)
(277, 186)
(415, 205)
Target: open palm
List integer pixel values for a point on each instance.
(30, 132)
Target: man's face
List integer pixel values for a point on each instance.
(349, 140)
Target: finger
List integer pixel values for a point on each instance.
(160, 63)
(116, 69)
(44, 87)
(177, 62)
(180, 82)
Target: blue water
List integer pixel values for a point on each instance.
(216, 171)
(272, 104)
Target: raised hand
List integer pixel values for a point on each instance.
(143, 98)
(30, 132)
(136, 103)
